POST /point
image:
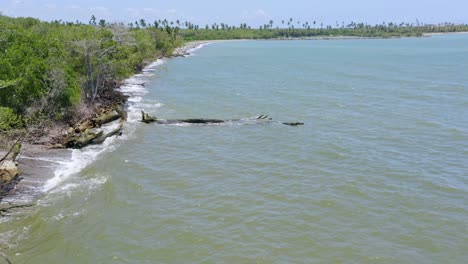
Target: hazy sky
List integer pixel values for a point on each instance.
(253, 12)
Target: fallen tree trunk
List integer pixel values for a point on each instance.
(107, 117)
(114, 132)
(81, 140)
(145, 118)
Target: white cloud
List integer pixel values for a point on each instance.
(254, 14)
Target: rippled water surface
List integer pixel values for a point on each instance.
(378, 173)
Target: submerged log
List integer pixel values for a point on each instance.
(200, 121)
(293, 123)
(145, 118)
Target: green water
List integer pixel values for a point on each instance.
(378, 174)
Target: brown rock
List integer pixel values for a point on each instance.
(8, 171)
(85, 125)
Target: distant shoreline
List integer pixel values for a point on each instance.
(194, 43)
(444, 33)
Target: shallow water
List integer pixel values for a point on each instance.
(378, 174)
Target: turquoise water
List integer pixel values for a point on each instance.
(378, 173)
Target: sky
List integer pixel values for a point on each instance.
(234, 12)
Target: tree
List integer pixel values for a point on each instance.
(92, 21)
(142, 23)
(102, 23)
(95, 52)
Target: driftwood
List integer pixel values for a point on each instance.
(13, 151)
(81, 140)
(87, 133)
(102, 138)
(145, 118)
(9, 172)
(293, 123)
(107, 117)
(90, 138)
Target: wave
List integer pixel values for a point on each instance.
(134, 88)
(191, 50)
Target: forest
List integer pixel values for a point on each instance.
(50, 70)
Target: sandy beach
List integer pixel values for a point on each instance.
(37, 164)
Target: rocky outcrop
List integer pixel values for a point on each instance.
(8, 171)
(106, 117)
(89, 132)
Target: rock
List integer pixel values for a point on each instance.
(114, 132)
(85, 125)
(70, 130)
(107, 117)
(56, 146)
(82, 140)
(120, 110)
(8, 171)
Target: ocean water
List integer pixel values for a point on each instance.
(378, 173)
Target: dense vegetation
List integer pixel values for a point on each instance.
(48, 69)
(292, 29)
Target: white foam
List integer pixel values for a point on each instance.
(134, 88)
(200, 46)
(80, 159)
(154, 65)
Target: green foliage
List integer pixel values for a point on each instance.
(8, 119)
(49, 68)
(312, 30)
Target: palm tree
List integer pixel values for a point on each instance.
(92, 21)
(142, 23)
(102, 23)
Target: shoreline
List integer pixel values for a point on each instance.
(444, 33)
(39, 163)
